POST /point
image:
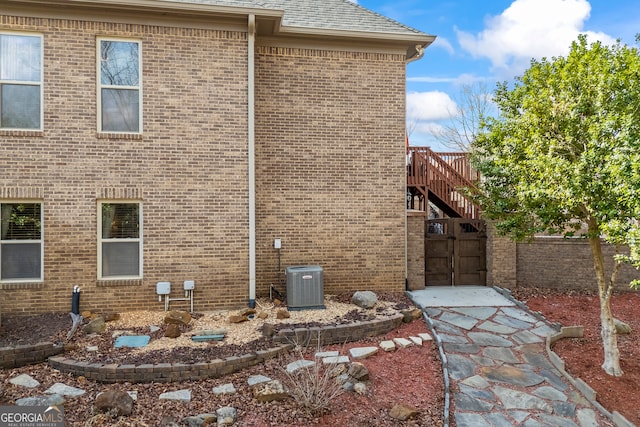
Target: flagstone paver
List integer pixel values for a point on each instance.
(497, 357)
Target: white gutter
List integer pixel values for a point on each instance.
(251, 40)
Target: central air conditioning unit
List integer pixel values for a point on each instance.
(305, 287)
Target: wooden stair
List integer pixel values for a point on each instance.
(440, 178)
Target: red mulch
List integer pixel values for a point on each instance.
(584, 356)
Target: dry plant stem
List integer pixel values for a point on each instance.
(316, 386)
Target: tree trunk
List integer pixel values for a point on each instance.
(611, 363)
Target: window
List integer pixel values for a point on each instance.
(119, 87)
(20, 81)
(20, 241)
(119, 240)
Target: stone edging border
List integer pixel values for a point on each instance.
(590, 394)
(22, 355)
(569, 332)
(443, 360)
(168, 372)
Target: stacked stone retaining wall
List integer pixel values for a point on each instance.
(22, 355)
(283, 340)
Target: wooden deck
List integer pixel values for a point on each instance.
(441, 178)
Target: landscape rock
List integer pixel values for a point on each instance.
(173, 331)
(402, 412)
(363, 352)
(360, 388)
(622, 328)
(97, 325)
(237, 318)
(247, 312)
(224, 389)
(269, 391)
(257, 379)
(111, 317)
(358, 371)
(335, 360)
(117, 401)
(177, 317)
(226, 415)
(178, 395)
(52, 400)
(64, 390)
(387, 345)
(409, 316)
(200, 420)
(263, 315)
(169, 422)
(24, 380)
(268, 330)
(283, 314)
(364, 299)
(402, 342)
(299, 364)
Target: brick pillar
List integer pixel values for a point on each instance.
(501, 259)
(415, 249)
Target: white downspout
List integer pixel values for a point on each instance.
(418, 55)
(251, 39)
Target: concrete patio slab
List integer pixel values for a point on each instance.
(460, 296)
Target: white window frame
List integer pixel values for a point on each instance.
(38, 83)
(139, 239)
(31, 241)
(101, 86)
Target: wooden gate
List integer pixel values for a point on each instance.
(455, 252)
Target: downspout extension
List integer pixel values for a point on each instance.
(251, 39)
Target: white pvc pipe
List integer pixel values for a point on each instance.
(251, 39)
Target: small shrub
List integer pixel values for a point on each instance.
(316, 386)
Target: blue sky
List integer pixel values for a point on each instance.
(492, 40)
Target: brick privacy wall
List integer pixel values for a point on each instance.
(330, 167)
(501, 259)
(552, 262)
(188, 169)
(415, 249)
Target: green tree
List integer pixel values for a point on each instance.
(564, 155)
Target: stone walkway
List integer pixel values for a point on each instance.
(496, 357)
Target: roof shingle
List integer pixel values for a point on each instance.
(334, 15)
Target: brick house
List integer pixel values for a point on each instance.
(157, 140)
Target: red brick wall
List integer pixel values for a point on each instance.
(188, 168)
(330, 166)
(560, 263)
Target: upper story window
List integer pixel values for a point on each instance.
(20, 81)
(119, 89)
(20, 241)
(119, 240)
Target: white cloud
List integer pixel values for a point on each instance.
(443, 43)
(428, 106)
(530, 29)
(462, 79)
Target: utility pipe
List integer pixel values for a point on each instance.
(251, 40)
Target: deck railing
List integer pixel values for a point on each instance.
(444, 175)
